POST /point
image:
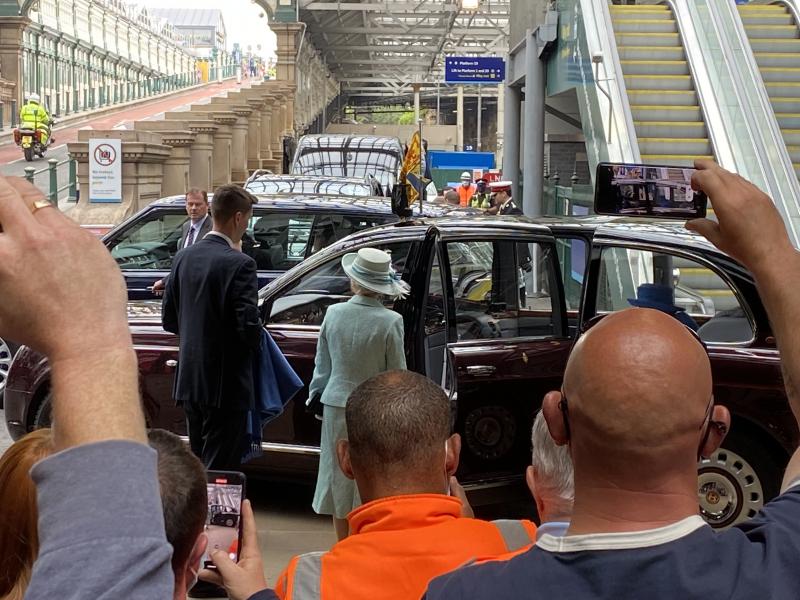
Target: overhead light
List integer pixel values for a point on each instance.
(470, 4)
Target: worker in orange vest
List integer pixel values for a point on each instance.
(412, 527)
(467, 189)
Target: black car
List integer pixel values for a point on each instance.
(495, 306)
(284, 231)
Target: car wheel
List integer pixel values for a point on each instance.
(736, 481)
(490, 432)
(6, 356)
(44, 413)
(229, 522)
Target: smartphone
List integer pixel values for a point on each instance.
(653, 191)
(226, 491)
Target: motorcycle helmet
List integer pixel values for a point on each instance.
(35, 98)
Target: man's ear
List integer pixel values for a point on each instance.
(555, 418)
(720, 424)
(453, 453)
(343, 454)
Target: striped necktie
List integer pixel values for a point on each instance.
(190, 239)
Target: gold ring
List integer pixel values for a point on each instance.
(40, 204)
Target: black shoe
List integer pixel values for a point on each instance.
(204, 589)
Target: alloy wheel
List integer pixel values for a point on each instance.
(6, 357)
(729, 489)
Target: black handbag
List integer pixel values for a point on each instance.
(314, 406)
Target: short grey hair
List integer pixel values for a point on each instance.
(553, 464)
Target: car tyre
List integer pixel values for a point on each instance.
(229, 522)
(44, 413)
(737, 480)
(490, 432)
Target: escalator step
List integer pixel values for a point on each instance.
(780, 74)
(767, 18)
(674, 97)
(771, 31)
(783, 89)
(775, 45)
(785, 104)
(788, 120)
(794, 153)
(651, 52)
(778, 59)
(678, 160)
(658, 67)
(671, 40)
(659, 82)
(645, 26)
(666, 113)
(792, 136)
(662, 129)
(675, 145)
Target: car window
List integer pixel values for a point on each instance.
(572, 255)
(150, 243)
(690, 291)
(333, 227)
(502, 289)
(307, 300)
(277, 241)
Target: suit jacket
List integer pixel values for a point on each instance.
(204, 229)
(358, 339)
(211, 302)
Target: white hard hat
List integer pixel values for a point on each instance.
(34, 98)
(466, 175)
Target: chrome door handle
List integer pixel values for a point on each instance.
(481, 370)
(171, 363)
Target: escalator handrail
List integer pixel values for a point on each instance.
(603, 27)
(794, 8)
(779, 180)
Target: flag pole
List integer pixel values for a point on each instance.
(420, 171)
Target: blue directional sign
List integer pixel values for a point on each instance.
(474, 69)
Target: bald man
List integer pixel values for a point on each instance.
(635, 530)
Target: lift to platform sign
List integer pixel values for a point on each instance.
(474, 69)
(105, 170)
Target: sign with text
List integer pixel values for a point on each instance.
(105, 170)
(474, 69)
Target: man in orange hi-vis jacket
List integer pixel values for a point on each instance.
(411, 527)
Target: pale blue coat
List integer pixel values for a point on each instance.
(358, 339)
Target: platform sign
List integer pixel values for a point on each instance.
(474, 69)
(105, 170)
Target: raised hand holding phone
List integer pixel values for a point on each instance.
(243, 579)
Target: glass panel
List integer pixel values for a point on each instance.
(307, 300)
(277, 241)
(332, 228)
(692, 293)
(501, 289)
(572, 256)
(150, 243)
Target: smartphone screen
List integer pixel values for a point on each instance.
(224, 521)
(647, 191)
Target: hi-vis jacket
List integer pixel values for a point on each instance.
(396, 546)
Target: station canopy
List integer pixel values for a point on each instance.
(381, 48)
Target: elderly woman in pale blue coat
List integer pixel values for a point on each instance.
(358, 339)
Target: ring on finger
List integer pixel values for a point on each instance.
(40, 204)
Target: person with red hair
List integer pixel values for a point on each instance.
(19, 539)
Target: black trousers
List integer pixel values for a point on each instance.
(217, 436)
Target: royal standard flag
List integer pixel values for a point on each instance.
(410, 173)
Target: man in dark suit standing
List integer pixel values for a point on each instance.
(210, 301)
(195, 229)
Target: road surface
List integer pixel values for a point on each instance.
(12, 162)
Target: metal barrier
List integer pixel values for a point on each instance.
(571, 200)
(54, 189)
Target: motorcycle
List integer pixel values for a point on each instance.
(31, 141)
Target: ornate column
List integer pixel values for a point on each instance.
(11, 29)
(221, 160)
(254, 135)
(176, 168)
(239, 143)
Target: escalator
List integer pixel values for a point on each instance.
(775, 40)
(666, 111)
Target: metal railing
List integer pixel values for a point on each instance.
(71, 186)
(562, 200)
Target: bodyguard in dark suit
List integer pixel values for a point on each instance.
(195, 229)
(210, 301)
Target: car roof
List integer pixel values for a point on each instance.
(336, 140)
(322, 178)
(380, 204)
(673, 233)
